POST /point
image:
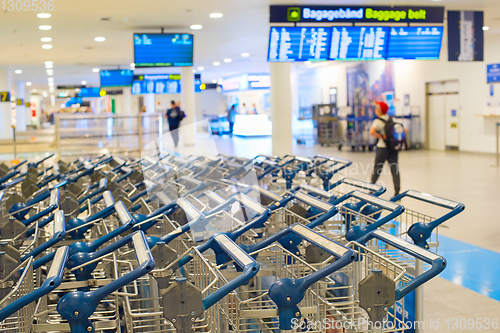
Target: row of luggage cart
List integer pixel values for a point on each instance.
(171, 243)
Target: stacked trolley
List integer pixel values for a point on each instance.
(170, 243)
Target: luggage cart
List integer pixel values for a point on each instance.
(357, 134)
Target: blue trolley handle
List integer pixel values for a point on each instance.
(35, 165)
(17, 166)
(329, 210)
(20, 210)
(11, 183)
(438, 263)
(8, 176)
(247, 264)
(53, 280)
(77, 306)
(58, 233)
(359, 231)
(420, 232)
(377, 190)
(287, 293)
(103, 183)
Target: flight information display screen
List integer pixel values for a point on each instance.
(117, 78)
(358, 43)
(289, 44)
(90, 92)
(420, 43)
(163, 50)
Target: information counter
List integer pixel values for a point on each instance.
(252, 125)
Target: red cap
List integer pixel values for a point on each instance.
(383, 106)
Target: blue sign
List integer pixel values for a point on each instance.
(358, 43)
(160, 84)
(288, 44)
(421, 43)
(90, 92)
(453, 113)
(163, 50)
(493, 73)
(117, 78)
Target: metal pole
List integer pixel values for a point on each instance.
(15, 142)
(58, 137)
(419, 298)
(139, 131)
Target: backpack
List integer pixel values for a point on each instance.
(180, 115)
(395, 135)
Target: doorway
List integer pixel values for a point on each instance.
(442, 118)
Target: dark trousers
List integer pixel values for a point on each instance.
(174, 130)
(382, 155)
(231, 126)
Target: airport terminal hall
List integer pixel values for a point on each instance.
(250, 166)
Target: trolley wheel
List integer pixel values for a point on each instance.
(328, 145)
(364, 148)
(322, 144)
(353, 148)
(370, 148)
(340, 147)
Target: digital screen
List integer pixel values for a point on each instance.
(156, 87)
(163, 50)
(421, 43)
(288, 44)
(358, 43)
(117, 78)
(90, 92)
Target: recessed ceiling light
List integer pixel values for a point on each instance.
(216, 63)
(28, 84)
(51, 84)
(486, 28)
(244, 55)
(51, 89)
(18, 71)
(216, 15)
(49, 63)
(49, 66)
(50, 79)
(228, 60)
(201, 68)
(45, 27)
(46, 46)
(43, 15)
(84, 83)
(46, 39)
(50, 72)
(196, 27)
(95, 70)
(100, 39)
(214, 81)
(33, 90)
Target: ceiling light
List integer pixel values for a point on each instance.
(33, 90)
(95, 70)
(214, 81)
(18, 71)
(84, 83)
(50, 72)
(28, 84)
(46, 39)
(194, 70)
(49, 63)
(486, 28)
(245, 55)
(100, 39)
(228, 60)
(196, 27)
(51, 84)
(44, 94)
(49, 66)
(46, 46)
(43, 15)
(50, 79)
(51, 89)
(216, 63)
(201, 68)
(45, 27)
(216, 15)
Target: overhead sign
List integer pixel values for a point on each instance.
(70, 87)
(4, 96)
(465, 36)
(420, 14)
(246, 82)
(493, 73)
(161, 84)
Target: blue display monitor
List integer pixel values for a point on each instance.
(358, 43)
(90, 92)
(117, 78)
(163, 50)
(420, 43)
(289, 44)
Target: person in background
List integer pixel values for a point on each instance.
(243, 109)
(174, 117)
(231, 116)
(383, 153)
(143, 109)
(254, 109)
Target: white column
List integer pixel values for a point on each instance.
(5, 108)
(281, 108)
(21, 109)
(127, 100)
(149, 102)
(188, 105)
(98, 105)
(36, 100)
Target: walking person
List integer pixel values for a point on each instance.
(383, 150)
(174, 116)
(231, 116)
